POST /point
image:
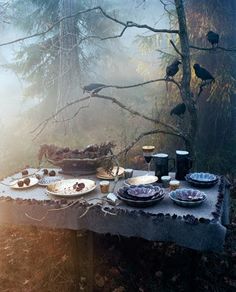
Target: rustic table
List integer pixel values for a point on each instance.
(199, 228)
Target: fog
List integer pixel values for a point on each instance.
(12, 99)
(29, 93)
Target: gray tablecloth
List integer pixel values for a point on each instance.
(199, 228)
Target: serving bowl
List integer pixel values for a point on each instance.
(143, 192)
(78, 165)
(203, 177)
(187, 197)
(200, 184)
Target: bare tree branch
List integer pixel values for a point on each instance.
(133, 24)
(176, 49)
(126, 25)
(165, 53)
(165, 7)
(39, 129)
(144, 83)
(151, 132)
(213, 49)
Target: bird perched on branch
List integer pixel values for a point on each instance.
(203, 73)
(178, 110)
(94, 87)
(213, 38)
(172, 69)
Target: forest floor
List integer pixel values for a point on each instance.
(43, 260)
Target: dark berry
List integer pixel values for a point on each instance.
(20, 183)
(52, 173)
(45, 171)
(25, 172)
(27, 181)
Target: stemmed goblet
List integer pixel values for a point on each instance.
(147, 154)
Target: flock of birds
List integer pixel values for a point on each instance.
(171, 71)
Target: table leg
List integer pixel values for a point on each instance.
(225, 217)
(85, 260)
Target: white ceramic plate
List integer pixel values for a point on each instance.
(33, 182)
(101, 173)
(47, 180)
(64, 188)
(141, 180)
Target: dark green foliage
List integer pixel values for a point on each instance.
(37, 61)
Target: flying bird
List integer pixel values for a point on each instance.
(203, 73)
(213, 38)
(178, 110)
(94, 87)
(172, 69)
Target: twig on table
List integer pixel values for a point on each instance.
(107, 212)
(81, 200)
(52, 210)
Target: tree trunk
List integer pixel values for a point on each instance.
(69, 62)
(185, 83)
(233, 95)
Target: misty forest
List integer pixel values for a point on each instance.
(109, 77)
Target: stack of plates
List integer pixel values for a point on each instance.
(103, 174)
(201, 179)
(187, 197)
(141, 196)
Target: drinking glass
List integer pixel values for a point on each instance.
(147, 154)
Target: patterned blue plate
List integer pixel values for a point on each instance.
(202, 177)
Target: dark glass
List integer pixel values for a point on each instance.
(161, 161)
(183, 164)
(147, 158)
(147, 154)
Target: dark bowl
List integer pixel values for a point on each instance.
(140, 193)
(138, 202)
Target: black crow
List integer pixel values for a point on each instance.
(178, 110)
(213, 38)
(203, 73)
(172, 69)
(93, 87)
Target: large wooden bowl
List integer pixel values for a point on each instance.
(78, 165)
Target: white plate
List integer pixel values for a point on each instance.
(141, 180)
(33, 182)
(64, 188)
(101, 173)
(47, 180)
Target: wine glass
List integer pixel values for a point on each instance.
(147, 154)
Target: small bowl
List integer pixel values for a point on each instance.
(174, 184)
